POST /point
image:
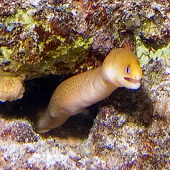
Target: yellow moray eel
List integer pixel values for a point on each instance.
(120, 69)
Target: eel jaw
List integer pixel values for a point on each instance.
(132, 83)
(132, 80)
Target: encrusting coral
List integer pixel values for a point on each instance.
(120, 69)
(11, 88)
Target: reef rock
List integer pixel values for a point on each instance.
(52, 36)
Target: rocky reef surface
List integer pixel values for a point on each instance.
(131, 129)
(53, 36)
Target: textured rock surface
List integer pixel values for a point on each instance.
(52, 36)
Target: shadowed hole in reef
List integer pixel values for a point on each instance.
(78, 125)
(36, 98)
(135, 103)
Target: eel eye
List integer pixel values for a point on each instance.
(127, 70)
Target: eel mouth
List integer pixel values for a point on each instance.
(135, 81)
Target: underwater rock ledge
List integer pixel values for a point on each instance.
(47, 36)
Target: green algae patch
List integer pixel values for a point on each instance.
(5, 54)
(146, 54)
(80, 42)
(20, 17)
(80, 48)
(150, 28)
(26, 19)
(69, 52)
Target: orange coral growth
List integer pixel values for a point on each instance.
(11, 88)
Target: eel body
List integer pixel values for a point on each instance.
(120, 68)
